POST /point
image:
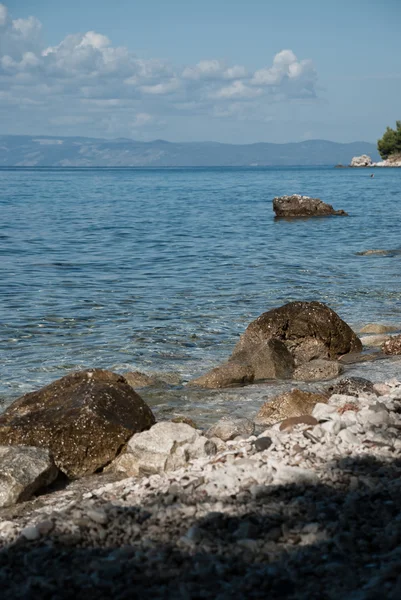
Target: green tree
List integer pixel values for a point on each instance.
(390, 143)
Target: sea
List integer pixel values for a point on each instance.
(161, 270)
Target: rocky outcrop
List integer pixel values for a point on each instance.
(295, 403)
(393, 345)
(309, 330)
(318, 370)
(84, 419)
(378, 328)
(303, 206)
(164, 447)
(366, 161)
(361, 161)
(23, 471)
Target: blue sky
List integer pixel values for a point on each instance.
(230, 71)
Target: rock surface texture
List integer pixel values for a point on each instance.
(165, 447)
(230, 374)
(23, 471)
(309, 330)
(392, 346)
(295, 403)
(318, 370)
(84, 419)
(303, 206)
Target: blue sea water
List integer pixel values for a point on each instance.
(163, 269)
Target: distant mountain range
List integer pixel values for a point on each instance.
(44, 151)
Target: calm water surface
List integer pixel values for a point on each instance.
(163, 269)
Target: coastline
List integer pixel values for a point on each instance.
(315, 510)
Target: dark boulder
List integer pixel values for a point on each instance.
(84, 419)
(303, 206)
(309, 330)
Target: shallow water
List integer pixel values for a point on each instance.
(163, 269)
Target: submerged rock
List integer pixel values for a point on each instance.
(230, 374)
(83, 419)
(303, 206)
(318, 370)
(309, 330)
(378, 328)
(295, 403)
(23, 471)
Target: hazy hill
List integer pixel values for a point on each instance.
(91, 152)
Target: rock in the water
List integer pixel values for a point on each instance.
(272, 360)
(378, 328)
(392, 346)
(351, 386)
(318, 370)
(137, 379)
(23, 471)
(374, 341)
(295, 403)
(309, 330)
(303, 206)
(165, 447)
(83, 419)
(233, 373)
(227, 428)
(184, 419)
(361, 161)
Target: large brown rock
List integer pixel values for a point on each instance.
(84, 419)
(309, 330)
(295, 403)
(303, 206)
(229, 374)
(272, 360)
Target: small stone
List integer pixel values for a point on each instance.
(97, 515)
(382, 389)
(30, 533)
(348, 437)
(44, 527)
(262, 443)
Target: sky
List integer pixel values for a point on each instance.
(233, 71)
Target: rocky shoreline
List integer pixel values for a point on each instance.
(301, 511)
(300, 501)
(365, 161)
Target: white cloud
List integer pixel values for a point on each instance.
(85, 78)
(237, 90)
(296, 78)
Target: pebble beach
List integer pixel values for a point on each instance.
(302, 511)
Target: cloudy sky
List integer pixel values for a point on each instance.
(237, 71)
